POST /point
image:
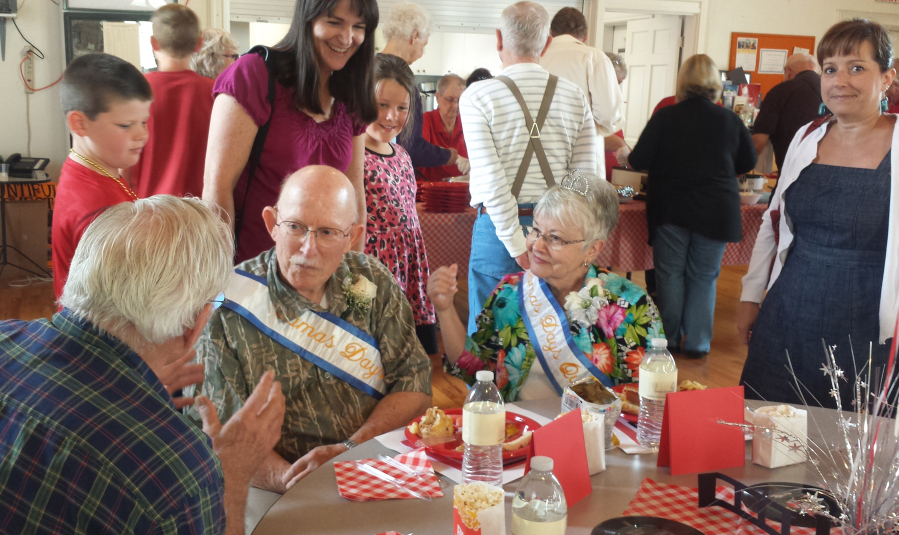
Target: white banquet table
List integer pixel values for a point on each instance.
(313, 505)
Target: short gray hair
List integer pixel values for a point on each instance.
(448, 79)
(208, 61)
(406, 19)
(596, 214)
(146, 269)
(525, 29)
(619, 65)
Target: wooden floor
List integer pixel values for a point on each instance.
(722, 367)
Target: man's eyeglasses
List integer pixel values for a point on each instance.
(551, 240)
(325, 237)
(235, 57)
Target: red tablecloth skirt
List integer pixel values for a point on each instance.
(448, 239)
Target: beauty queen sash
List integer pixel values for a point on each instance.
(550, 335)
(323, 339)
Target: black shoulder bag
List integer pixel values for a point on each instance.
(261, 134)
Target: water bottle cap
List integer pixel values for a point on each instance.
(484, 375)
(658, 342)
(543, 464)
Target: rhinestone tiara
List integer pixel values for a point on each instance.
(577, 182)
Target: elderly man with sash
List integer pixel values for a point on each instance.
(333, 325)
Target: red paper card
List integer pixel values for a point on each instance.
(692, 439)
(563, 441)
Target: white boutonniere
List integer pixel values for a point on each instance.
(359, 294)
(583, 307)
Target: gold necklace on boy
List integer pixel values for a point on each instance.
(105, 172)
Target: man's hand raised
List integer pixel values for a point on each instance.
(250, 434)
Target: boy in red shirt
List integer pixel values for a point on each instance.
(173, 160)
(107, 103)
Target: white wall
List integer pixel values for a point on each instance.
(796, 17)
(41, 22)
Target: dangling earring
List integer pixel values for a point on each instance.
(884, 105)
(822, 109)
(586, 264)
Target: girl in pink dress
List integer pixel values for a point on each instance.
(393, 231)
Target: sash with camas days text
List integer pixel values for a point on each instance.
(321, 338)
(550, 334)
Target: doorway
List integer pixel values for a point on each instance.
(653, 44)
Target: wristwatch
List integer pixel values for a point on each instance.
(349, 444)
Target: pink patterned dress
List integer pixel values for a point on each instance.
(393, 230)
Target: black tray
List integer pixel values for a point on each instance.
(781, 493)
(643, 525)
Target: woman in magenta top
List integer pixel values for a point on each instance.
(323, 100)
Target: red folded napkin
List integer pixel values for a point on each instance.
(354, 484)
(681, 505)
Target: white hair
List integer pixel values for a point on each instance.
(208, 61)
(406, 19)
(596, 214)
(525, 29)
(448, 79)
(146, 269)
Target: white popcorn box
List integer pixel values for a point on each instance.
(784, 444)
(476, 512)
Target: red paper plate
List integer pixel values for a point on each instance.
(629, 417)
(448, 449)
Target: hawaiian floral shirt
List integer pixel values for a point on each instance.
(615, 343)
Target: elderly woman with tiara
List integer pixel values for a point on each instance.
(563, 318)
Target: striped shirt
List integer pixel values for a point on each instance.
(496, 137)
(90, 441)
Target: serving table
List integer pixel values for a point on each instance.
(448, 238)
(313, 505)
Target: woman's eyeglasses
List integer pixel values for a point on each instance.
(551, 240)
(235, 57)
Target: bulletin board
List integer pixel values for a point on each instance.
(767, 41)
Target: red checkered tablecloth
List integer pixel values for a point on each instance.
(354, 484)
(680, 504)
(627, 248)
(448, 239)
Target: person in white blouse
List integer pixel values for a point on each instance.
(498, 137)
(832, 275)
(592, 70)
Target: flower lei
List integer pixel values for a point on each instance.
(582, 307)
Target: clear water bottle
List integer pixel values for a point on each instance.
(658, 378)
(483, 432)
(539, 506)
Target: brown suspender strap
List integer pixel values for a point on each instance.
(535, 145)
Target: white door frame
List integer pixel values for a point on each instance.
(595, 10)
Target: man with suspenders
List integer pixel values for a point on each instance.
(514, 157)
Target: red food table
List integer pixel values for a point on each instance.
(448, 238)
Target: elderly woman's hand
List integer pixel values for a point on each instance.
(442, 287)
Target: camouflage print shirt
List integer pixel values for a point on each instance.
(321, 409)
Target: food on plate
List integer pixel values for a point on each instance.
(519, 442)
(630, 399)
(434, 424)
(592, 391)
(783, 411)
(511, 430)
(686, 386)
